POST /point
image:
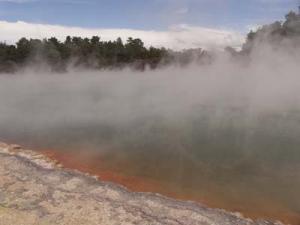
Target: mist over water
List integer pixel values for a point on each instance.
(229, 130)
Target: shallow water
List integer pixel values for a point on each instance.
(219, 152)
(254, 169)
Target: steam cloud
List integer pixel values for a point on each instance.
(226, 92)
(215, 120)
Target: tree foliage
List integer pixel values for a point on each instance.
(276, 34)
(79, 52)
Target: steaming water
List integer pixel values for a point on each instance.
(228, 137)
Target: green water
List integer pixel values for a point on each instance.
(245, 163)
(238, 150)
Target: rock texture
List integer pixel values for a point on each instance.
(35, 190)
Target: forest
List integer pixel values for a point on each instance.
(89, 53)
(93, 53)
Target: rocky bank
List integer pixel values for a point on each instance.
(35, 190)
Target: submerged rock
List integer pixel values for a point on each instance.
(36, 190)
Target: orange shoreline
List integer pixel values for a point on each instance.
(138, 184)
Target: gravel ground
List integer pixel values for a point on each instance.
(36, 190)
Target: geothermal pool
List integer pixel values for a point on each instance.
(227, 148)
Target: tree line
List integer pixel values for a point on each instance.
(278, 34)
(92, 53)
(85, 52)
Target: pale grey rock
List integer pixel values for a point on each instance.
(37, 191)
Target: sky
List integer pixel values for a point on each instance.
(174, 23)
